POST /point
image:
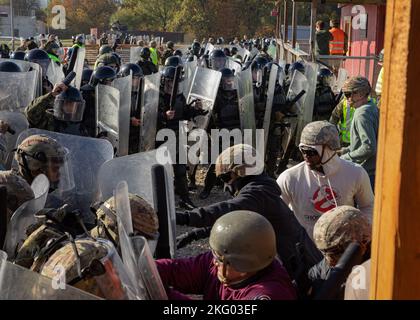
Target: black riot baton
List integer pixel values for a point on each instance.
(161, 205)
(175, 87)
(73, 59)
(338, 274)
(3, 215)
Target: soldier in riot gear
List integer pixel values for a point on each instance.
(242, 263)
(259, 77)
(110, 60)
(168, 52)
(18, 55)
(41, 57)
(105, 49)
(59, 111)
(217, 59)
(86, 75)
(195, 50)
(225, 116)
(170, 118)
(102, 75)
(146, 63)
(135, 122)
(173, 61)
(52, 49)
(324, 96)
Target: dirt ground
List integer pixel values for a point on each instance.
(217, 195)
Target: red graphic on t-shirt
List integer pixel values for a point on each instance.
(323, 199)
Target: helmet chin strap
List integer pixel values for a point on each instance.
(322, 156)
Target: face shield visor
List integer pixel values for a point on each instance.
(169, 84)
(218, 63)
(135, 84)
(257, 76)
(44, 65)
(59, 172)
(69, 111)
(228, 84)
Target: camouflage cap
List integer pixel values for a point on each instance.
(337, 228)
(321, 133)
(241, 159)
(357, 85)
(107, 59)
(18, 190)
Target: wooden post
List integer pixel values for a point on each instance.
(286, 22)
(396, 232)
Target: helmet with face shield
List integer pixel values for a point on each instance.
(168, 79)
(103, 75)
(69, 106)
(42, 154)
(217, 59)
(40, 57)
(227, 82)
(137, 73)
(257, 68)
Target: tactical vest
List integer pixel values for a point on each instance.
(178, 108)
(324, 101)
(229, 114)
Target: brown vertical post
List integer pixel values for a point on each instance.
(286, 22)
(314, 7)
(294, 23)
(396, 232)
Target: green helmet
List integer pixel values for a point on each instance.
(321, 133)
(245, 240)
(107, 59)
(357, 85)
(337, 228)
(105, 49)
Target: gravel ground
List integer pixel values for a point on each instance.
(217, 195)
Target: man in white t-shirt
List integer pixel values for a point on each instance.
(324, 180)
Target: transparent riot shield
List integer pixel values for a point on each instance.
(124, 86)
(149, 112)
(24, 217)
(17, 90)
(107, 112)
(136, 170)
(148, 270)
(125, 231)
(86, 157)
(233, 65)
(270, 99)
(135, 54)
(341, 79)
(27, 66)
(298, 83)
(246, 102)
(311, 72)
(55, 73)
(204, 87)
(209, 48)
(189, 71)
(18, 123)
(18, 283)
(78, 67)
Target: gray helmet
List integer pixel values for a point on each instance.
(337, 228)
(321, 133)
(245, 240)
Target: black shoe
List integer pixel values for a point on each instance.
(204, 194)
(186, 203)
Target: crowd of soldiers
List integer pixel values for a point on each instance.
(89, 201)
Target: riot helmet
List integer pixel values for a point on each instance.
(103, 75)
(105, 49)
(110, 60)
(69, 105)
(18, 55)
(145, 53)
(136, 71)
(299, 66)
(195, 48)
(173, 61)
(227, 82)
(9, 66)
(40, 57)
(217, 59)
(325, 77)
(168, 78)
(86, 76)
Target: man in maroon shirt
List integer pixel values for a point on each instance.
(241, 266)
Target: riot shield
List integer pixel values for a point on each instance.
(129, 169)
(149, 112)
(135, 54)
(17, 90)
(209, 48)
(269, 104)
(18, 283)
(55, 73)
(107, 112)
(30, 66)
(86, 157)
(233, 65)
(124, 86)
(24, 217)
(311, 72)
(246, 102)
(298, 83)
(189, 71)
(17, 121)
(148, 270)
(78, 67)
(341, 79)
(204, 87)
(125, 231)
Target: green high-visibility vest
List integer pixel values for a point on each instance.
(154, 56)
(54, 58)
(345, 123)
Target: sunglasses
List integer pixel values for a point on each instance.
(349, 94)
(309, 152)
